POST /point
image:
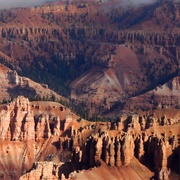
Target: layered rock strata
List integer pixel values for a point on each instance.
(152, 138)
(19, 123)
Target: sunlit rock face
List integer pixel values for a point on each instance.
(17, 121)
(26, 130)
(108, 54)
(49, 132)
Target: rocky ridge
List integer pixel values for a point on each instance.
(117, 146)
(73, 41)
(13, 85)
(162, 97)
(28, 127)
(20, 123)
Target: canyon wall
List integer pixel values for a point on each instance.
(117, 150)
(151, 138)
(18, 122)
(130, 53)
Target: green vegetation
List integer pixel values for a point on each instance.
(55, 72)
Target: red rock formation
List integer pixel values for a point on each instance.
(43, 170)
(18, 121)
(83, 146)
(56, 126)
(118, 152)
(42, 127)
(131, 57)
(127, 149)
(13, 85)
(139, 144)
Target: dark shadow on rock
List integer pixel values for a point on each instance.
(56, 145)
(174, 161)
(68, 168)
(21, 91)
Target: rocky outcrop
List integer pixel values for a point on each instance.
(82, 147)
(13, 77)
(19, 123)
(176, 84)
(17, 80)
(134, 123)
(45, 34)
(127, 149)
(139, 144)
(26, 132)
(43, 170)
(79, 40)
(56, 126)
(115, 150)
(160, 149)
(42, 127)
(120, 149)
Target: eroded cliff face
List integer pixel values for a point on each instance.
(13, 85)
(163, 97)
(48, 132)
(76, 42)
(17, 121)
(145, 58)
(26, 129)
(44, 170)
(152, 139)
(118, 151)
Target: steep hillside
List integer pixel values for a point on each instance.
(117, 62)
(13, 85)
(166, 96)
(92, 53)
